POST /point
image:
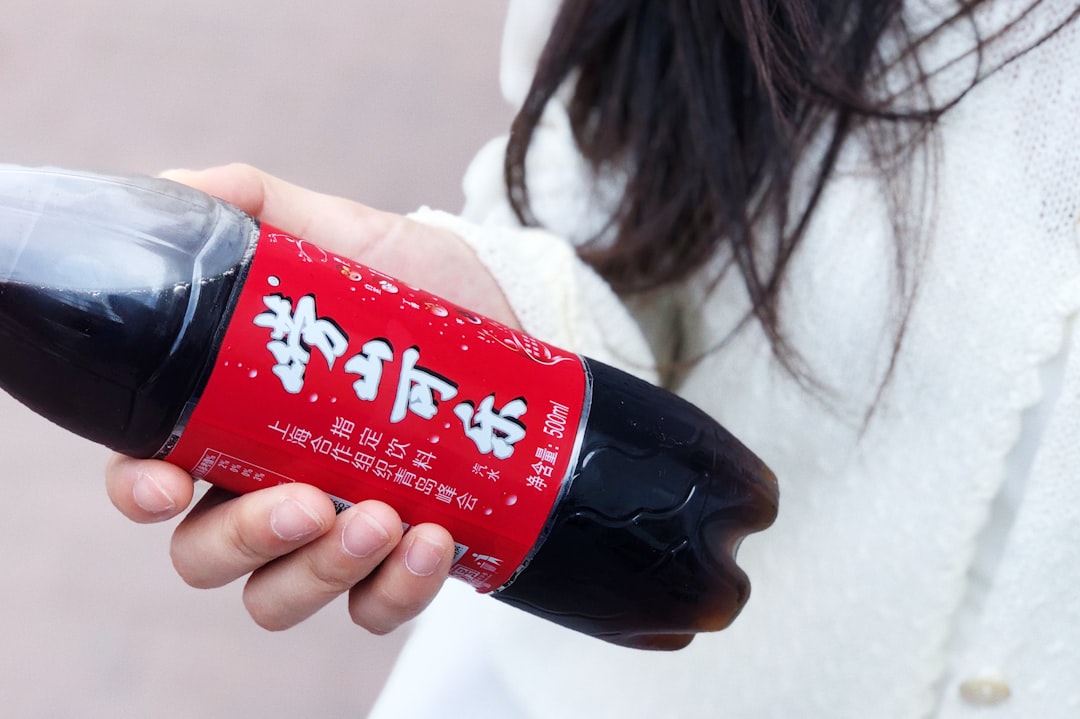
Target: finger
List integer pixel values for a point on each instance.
(405, 582)
(224, 537)
(147, 490)
(434, 259)
(333, 223)
(292, 588)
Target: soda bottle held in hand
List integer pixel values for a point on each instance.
(161, 322)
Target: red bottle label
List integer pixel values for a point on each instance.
(336, 375)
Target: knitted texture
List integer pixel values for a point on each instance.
(889, 537)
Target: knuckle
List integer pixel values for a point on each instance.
(239, 542)
(401, 605)
(187, 570)
(380, 610)
(380, 626)
(372, 627)
(196, 581)
(265, 617)
(255, 182)
(244, 170)
(267, 621)
(329, 579)
(190, 573)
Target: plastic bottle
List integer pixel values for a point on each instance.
(161, 322)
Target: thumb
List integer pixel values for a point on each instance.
(237, 184)
(333, 223)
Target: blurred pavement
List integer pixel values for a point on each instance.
(383, 102)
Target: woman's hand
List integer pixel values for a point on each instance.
(425, 257)
(298, 553)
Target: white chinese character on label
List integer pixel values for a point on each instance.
(370, 438)
(363, 461)
(294, 334)
(342, 453)
(493, 432)
(537, 483)
(209, 459)
(384, 470)
(423, 459)
(298, 436)
(369, 364)
(404, 477)
(396, 449)
(343, 428)
(322, 445)
(547, 455)
(417, 387)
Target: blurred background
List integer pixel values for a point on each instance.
(383, 102)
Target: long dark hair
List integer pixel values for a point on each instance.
(710, 106)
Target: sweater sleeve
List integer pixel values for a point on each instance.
(556, 296)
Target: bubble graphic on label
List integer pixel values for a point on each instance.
(464, 348)
(434, 439)
(488, 511)
(388, 286)
(437, 310)
(313, 398)
(273, 281)
(351, 273)
(473, 319)
(253, 373)
(511, 500)
(333, 400)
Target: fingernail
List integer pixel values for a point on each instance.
(423, 557)
(150, 496)
(363, 536)
(291, 521)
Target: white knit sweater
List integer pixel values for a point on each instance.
(928, 566)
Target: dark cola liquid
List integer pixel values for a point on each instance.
(641, 550)
(116, 367)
